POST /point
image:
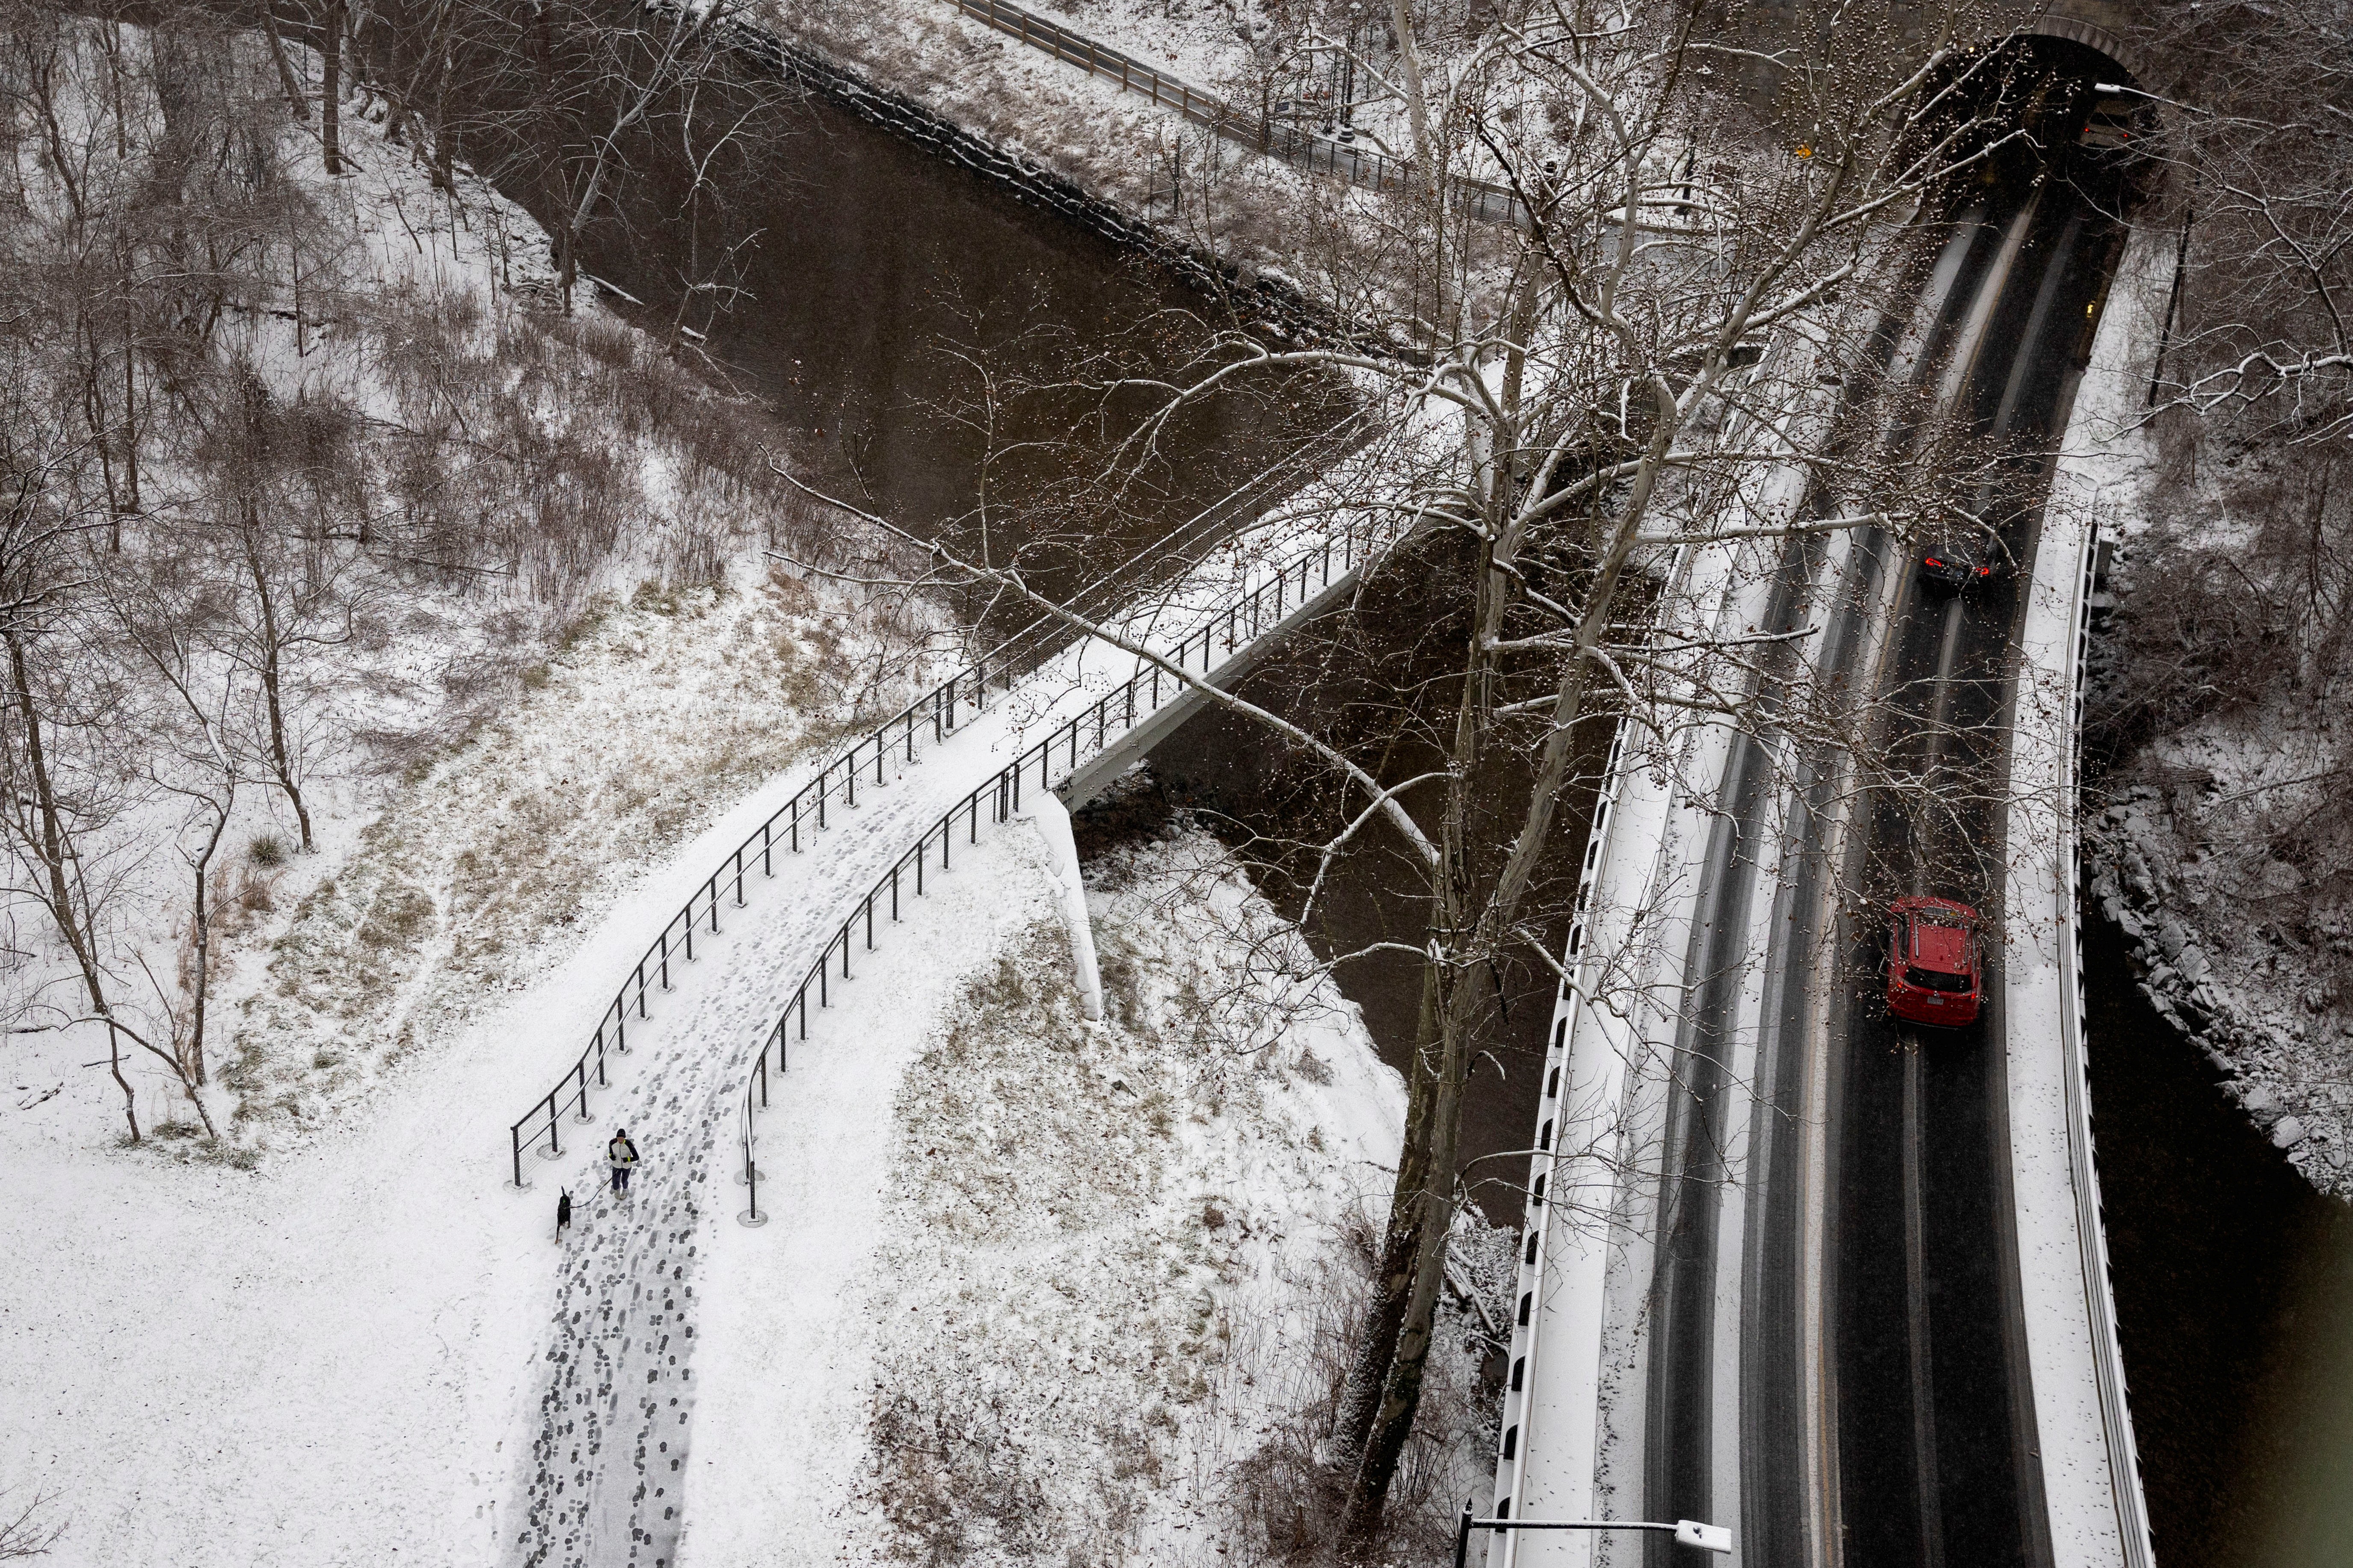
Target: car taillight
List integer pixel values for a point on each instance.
(1985, 571)
(1934, 562)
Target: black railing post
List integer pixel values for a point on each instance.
(555, 1138)
(514, 1135)
(642, 988)
(894, 895)
(751, 1174)
(665, 958)
(768, 866)
(582, 1071)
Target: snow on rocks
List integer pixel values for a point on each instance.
(2212, 970)
(2206, 964)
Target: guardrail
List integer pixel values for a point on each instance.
(937, 712)
(1482, 201)
(2091, 1228)
(1240, 623)
(803, 815)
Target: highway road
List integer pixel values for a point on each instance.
(1875, 1409)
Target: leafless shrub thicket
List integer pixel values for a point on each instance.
(2236, 616)
(25, 1534)
(235, 447)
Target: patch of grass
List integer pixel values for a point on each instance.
(267, 850)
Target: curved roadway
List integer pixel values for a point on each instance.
(1887, 1420)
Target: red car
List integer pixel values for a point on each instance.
(1933, 974)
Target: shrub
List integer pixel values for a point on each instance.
(267, 850)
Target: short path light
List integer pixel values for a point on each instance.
(1686, 1531)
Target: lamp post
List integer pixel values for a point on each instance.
(1348, 66)
(1686, 1531)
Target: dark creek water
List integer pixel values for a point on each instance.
(936, 347)
(2234, 1299)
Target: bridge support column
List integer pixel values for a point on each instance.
(1054, 820)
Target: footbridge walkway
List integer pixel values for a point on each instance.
(834, 860)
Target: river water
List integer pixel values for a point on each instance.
(2234, 1298)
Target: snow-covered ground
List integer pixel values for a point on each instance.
(1030, 1282)
(338, 1335)
(246, 1333)
(321, 1359)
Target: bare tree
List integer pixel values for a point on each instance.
(22, 1535)
(1634, 378)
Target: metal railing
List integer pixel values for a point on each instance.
(1482, 201)
(936, 713)
(802, 818)
(1262, 609)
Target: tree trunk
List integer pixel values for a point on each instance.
(130, 401)
(438, 62)
(330, 94)
(192, 1064)
(1400, 1244)
(114, 1061)
(1434, 1219)
(53, 849)
(281, 764)
(288, 82)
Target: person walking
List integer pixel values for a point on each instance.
(562, 1213)
(622, 1155)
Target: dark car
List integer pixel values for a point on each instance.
(2109, 122)
(1933, 973)
(1955, 565)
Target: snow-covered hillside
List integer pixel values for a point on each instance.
(335, 1332)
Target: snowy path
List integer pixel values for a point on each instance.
(618, 1389)
(619, 1386)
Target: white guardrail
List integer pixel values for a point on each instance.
(2090, 1464)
